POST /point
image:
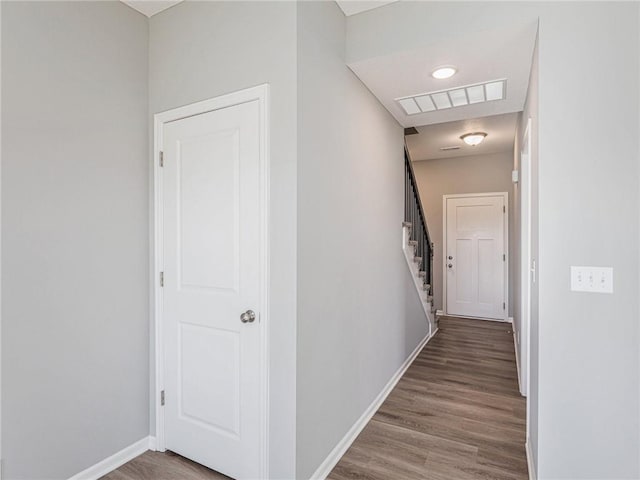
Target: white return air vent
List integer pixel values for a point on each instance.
(455, 97)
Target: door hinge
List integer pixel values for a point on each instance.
(162, 159)
(162, 279)
(504, 208)
(504, 257)
(504, 306)
(162, 398)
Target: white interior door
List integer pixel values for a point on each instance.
(475, 256)
(211, 261)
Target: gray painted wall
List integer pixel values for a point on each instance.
(446, 176)
(583, 185)
(74, 235)
(587, 392)
(359, 315)
(199, 50)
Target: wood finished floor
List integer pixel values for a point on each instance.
(163, 466)
(456, 414)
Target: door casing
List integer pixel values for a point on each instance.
(505, 195)
(526, 258)
(261, 95)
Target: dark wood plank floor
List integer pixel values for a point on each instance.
(456, 414)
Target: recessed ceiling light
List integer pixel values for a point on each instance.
(473, 139)
(446, 71)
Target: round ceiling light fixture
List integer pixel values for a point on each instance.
(445, 71)
(474, 138)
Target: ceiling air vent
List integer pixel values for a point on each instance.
(454, 97)
(446, 149)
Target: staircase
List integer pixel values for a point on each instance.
(416, 244)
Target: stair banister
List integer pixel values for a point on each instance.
(419, 232)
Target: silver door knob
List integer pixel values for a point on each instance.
(248, 316)
(450, 257)
(450, 265)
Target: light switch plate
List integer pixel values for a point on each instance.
(592, 279)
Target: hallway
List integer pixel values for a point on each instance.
(455, 414)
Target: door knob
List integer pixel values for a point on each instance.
(450, 265)
(450, 257)
(248, 316)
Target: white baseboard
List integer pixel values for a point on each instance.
(441, 313)
(516, 348)
(533, 475)
(501, 320)
(343, 445)
(116, 460)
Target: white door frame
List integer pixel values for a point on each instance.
(445, 198)
(261, 95)
(525, 259)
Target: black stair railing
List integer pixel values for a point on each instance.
(419, 233)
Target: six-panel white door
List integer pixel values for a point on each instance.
(211, 257)
(474, 256)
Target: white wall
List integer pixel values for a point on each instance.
(359, 315)
(199, 50)
(588, 366)
(74, 235)
(457, 175)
